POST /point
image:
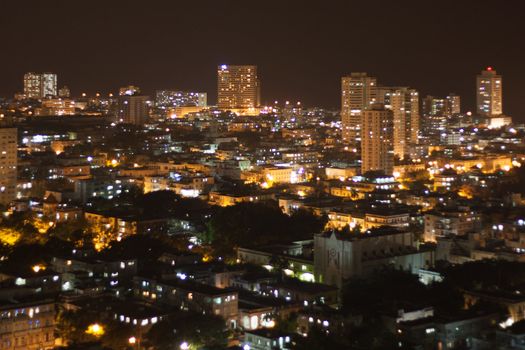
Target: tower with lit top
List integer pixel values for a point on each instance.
(489, 89)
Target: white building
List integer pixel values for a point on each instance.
(339, 256)
(40, 85)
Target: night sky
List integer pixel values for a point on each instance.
(302, 50)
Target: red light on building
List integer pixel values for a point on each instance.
(489, 68)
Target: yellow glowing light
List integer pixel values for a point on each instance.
(301, 193)
(37, 268)
(95, 329)
(132, 340)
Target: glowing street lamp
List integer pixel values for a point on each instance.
(132, 340)
(184, 346)
(37, 268)
(95, 329)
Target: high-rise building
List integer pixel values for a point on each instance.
(358, 91)
(238, 87)
(8, 161)
(174, 98)
(436, 112)
(489, 90)
(404, 103)
(40, 85)
(453, 104)
(133, 109)
(377, 133)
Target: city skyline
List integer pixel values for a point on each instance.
(297, 64)
(276, 175)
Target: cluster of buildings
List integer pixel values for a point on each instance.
(404, 182)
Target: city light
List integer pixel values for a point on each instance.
(262, 176)
(95, 329)
(38, 268)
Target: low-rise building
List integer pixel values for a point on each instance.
(339, 256)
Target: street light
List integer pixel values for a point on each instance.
(132, 340)
(95, 329)
(184, 346)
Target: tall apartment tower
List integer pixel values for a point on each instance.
(40, 85)
(404, 104)
(8, 160)
(453, 104)
(377, 133)
(436, 111)
(489, 88)
(358, 91)
(238, 87)
(133, 109)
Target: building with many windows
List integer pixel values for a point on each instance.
(27, 325)
(8, 161)
(133, 109)
(175, 98)
(358, 91)
(377, 151)
(404, 103)
(489, 88)
(40, 85)
(238, 87)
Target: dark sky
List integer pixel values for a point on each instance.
(302, 48)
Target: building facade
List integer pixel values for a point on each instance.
(489, 89)
(133, 109)
(377, 151)
(27, 325)
(238, 87)
(358, 91)
(340, 256)
(8, 162)
(40, 85)
(174, 98)
(404, 103)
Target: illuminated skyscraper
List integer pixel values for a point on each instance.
(8, 160)
(358, 91)
(238, 87)
(404, 104)
(489, 90)
(40, 85)
(133, 109)
(436, 112)
(453, 104)
(377, 133)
